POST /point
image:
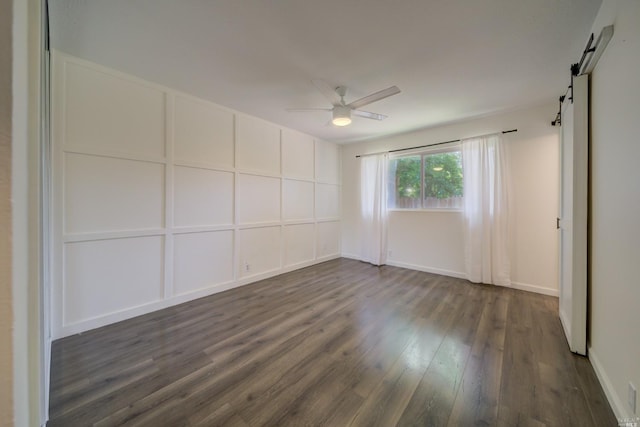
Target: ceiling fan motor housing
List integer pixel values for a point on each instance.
(341, 115)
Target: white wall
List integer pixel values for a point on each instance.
(6, 255)
(160, 197)
(433, 240)
(614, 346)
(29, 373)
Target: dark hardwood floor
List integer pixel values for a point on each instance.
(337, 344)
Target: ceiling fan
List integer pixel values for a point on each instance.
(341, 111)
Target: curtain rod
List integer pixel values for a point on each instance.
(427, 145)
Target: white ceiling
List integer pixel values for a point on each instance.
(452, 59)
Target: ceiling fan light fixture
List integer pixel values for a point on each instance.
(341, 116)
(341, 111)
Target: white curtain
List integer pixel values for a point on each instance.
(373, 207)
(486, 210)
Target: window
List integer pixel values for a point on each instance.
(429, 180)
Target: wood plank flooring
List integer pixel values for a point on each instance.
(341, 343)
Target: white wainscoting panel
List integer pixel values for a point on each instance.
(108, 113)
(327, 201)
(203, 133)
(202, 197)
(202, 260)
(327, 162)
(257, 145)
(107, 276)
(297, 155)
(109, 194)
(298, 243)
(328, 239)
(258, 199)
(160, 197)
(297, 200)
(259, 250)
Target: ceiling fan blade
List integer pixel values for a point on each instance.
(368, 115)
(384, 93)
(329, 92)
(306, 110)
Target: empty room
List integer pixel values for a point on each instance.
(337, 213)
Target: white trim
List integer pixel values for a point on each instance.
(265, 224)
(325, 258)
(338, 184)
(203, 165)
(314, 201)
(118, 316)
(120, 155)
(460, 275)
(260, 173)
(203, 228)
(109, 235)
(302, 264)
(301, 221)
(281, 208)
(169, 189)
(236, 203)
(427, 269)
(328, 219)
(619, 409)
(300, 179)
(535, 289)
(206, 290)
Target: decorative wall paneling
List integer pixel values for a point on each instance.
(160, 197)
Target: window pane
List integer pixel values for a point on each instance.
(404, 182)
(443, 180)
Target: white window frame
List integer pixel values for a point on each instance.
(422, 152)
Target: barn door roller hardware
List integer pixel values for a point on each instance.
(590, 56)
(558, 119)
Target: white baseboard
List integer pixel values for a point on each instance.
(617, 404)
(324, 259)
(118, 316)
(351, 256)
(536, 289)
(129, 313)
(515, 285)
(427, 269)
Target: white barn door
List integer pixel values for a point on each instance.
(574, 155)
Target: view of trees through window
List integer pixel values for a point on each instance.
(426, 181)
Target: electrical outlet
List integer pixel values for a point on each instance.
(631, 397)
(247, 267)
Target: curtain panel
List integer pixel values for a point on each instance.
(373, 208)
(486, 217)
